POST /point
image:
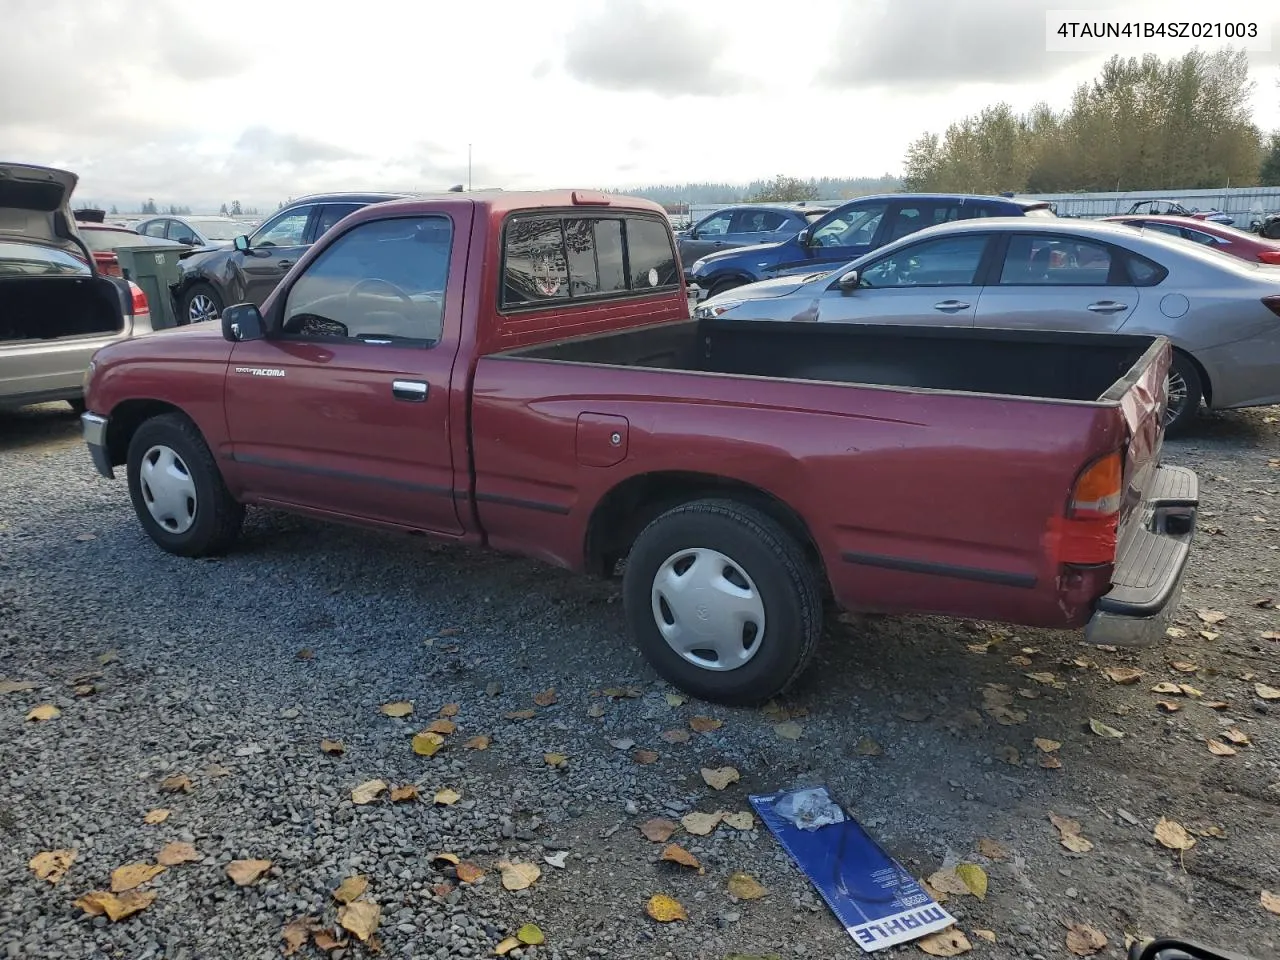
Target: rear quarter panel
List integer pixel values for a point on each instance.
(965, 488)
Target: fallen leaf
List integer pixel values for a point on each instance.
(1270, 901)
(675, 736)
(675, 699)
(245, 872)
(447, 797)
(402, 794)
(1076, 843)
(480, 742)
(992, 849)
(1084, 941)
(1175, 633)
(332, 746)
(1265, 692)
(176, 783)
(595, 710)
(109, 656)
(556, 859)
(518, 876)
(442, 727)
(1211, 616)
(945, 943)
(1210, 831)
(521, 714)
(98, 902)
(705, 724)
(46, 711)
(1189, 690)
(1165, 687)
(305, 654)
(368, 792)
(295, 935)
(505, 946)
(1220, 749)
(867, 747)
(327, 941)
(744, 820)
(352, 888)
(622, 743)
(620, 693)
(1069, 834)
(720, 777)
(52, 865)
(546, 698)
(977, 647)
(658, 830)
(1215, 704)
(1046, 746)
(974, 877)
(1173, 835)
(427, 744)
(468, 872)
(449, 710)
(665, 909)
(645, 757)
(1209, 635)
(530, 935)
(701, 824)
(1050, 761)
(449, 858)
(555, 759)
(16, 686)
(1169, 706)
(401, 708)
(1020, 661)
(1047, 679)
(987, 935)
(948, 881)
(360, 919)
(1010, 755)
(745, 887)
(790, 730)
(1270, 634)
(937, 896)
(172, 854)
(1124, 675)
(1184, 666)
(133, 875)
(1102, 730)
(675, 853)
(1238, 737)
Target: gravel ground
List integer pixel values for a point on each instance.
(231, 672)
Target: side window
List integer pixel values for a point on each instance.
(943, 261)
(852, 228)
(331, 213)
(716, 225)
(287, 229)
(1053, 261)
(944, 213)
(650, 254)
(534, 268)
(1200, 237)
(908, 219)
(594, 252)
(771, 221)
(155, 228)
(381, 283)
(1165, 228)
(180, 232)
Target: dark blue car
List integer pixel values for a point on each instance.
(846, 233)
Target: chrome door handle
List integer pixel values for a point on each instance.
(1107, 306)
(414, 391)
(951, 305)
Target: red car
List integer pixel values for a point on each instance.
(1246, 246)
(103, 238)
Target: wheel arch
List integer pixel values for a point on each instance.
(125, 419)
(1206, 384)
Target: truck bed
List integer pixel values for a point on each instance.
(1079, 367)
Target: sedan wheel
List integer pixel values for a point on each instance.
(201, 309)
(1185, 391)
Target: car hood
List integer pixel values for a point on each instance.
(755, 249)
(30, 197)
(777, 287)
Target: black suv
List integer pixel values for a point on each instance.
(250, 270)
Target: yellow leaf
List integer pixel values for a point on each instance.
(426, 743)
(1102, 730)
(790, 730)
(447, 797)
(1270, 901)
(360, 918)
(401, 708)
(133, 875)
(675, 853)
(480, 742)
(1169, 706)
(352, 888)
(52, 865)
(546, 698)
(1084, 941)
(1165, 687)
(991, 849)
(1238, 737)
(945, 943)
(1183, 666)
(332, 746)
(868, 747)
(745, 887)
(506, 946)
(1046, 746)
(521, 714)
(948, 881)
(1211, 616)
(618, 693)
(449, 710)
(555, 759)
(1189, 690)
(469, 873)
(1173, 835)
(368, 792)
(665, 909)
(442, 726)
(743, 820)
(1076, 843)
(177, 783)
(46, 711)
(1266, 693)
(1124, 675)
(172, 854)
(402, 794)
(720, 777)
(518, 876)
(975, 878)
(245, 872)
(987, 935)
(1220, 749)
(98, 902)
(1069, 834)
(704, 724)
(675, 700)
(16, 686)
(531, 935)
(701, 824)
(1215, 704)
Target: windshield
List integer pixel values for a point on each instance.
(218, 229)
(32, 260)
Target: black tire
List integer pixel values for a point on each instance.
(1179, 420)
(216, 517)
(77, 406)
(202, 292)
(788, 587)
(722, 285)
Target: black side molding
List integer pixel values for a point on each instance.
(1025, 580)
(517, 502)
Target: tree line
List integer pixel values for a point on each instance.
(1141, 124)
(780, 188)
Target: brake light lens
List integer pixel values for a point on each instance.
(1087, 535)
(1270, 256)
(1272, 304)
(140, 304)
(1098, 488)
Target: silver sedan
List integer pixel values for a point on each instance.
(1221, 313)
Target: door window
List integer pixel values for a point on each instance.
(854, 227)
(757, 221)
(285, 230)
(331, 213)
(154, 228)
(380, 283)
(650, 253)
(941, 262)
(716, 225)
(1056, 261)
(180, 232)
(1165, 228)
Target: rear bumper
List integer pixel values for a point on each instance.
(1151, 558)
(95, 438)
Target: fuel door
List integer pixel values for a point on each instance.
(602, 439)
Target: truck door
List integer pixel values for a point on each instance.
(346, 408)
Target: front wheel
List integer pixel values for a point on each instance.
(1185, 391)
(723, 285)
(723, 602)
(200, 304)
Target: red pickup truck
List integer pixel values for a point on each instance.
(520, 370)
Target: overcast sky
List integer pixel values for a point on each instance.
(200, 103)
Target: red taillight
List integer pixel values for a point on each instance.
(1272, 304)
(1270, 256)
(108, 264)
(1087, 534)
(140, 304)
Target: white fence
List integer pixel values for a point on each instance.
(1241, 204)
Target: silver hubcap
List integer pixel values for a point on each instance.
(201, 309)
(708, 609)
(1176, 387)
(168, 490)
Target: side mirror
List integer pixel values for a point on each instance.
(692, 234)
(242, 323)
(848, 282)
(802, 237)
(242, 244)
(189, 241)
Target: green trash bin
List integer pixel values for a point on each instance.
(155, 269)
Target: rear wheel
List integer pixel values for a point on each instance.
(200, 304)
(1186, 390)
(723, 602)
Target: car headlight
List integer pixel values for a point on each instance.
(711, 310)
(698, 265)
(88, 375)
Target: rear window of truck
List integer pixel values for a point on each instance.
(557, 258)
